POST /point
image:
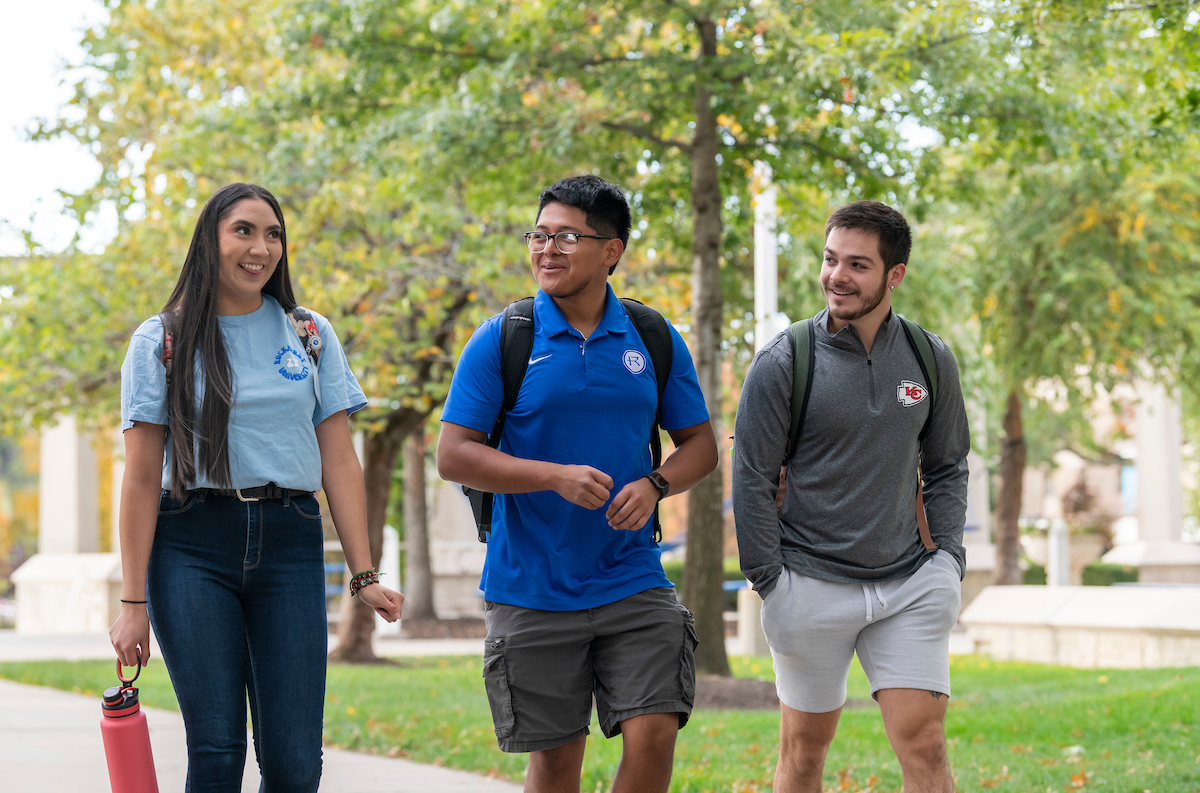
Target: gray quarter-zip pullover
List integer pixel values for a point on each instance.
(850, 511)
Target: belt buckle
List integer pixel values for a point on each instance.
(243, 499)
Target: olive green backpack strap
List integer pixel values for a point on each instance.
(923, 349)
(804, 362)
(919, 341)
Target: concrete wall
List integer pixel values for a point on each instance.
(1129, 627)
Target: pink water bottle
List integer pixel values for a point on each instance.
(127, 739)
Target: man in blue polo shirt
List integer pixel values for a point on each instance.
(576, 601)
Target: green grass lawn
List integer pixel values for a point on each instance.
(1011, 726)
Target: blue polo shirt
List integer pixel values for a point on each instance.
(583, 402)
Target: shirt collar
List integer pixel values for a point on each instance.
(821, 321)
(549, 319)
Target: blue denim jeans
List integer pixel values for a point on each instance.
(236, 596)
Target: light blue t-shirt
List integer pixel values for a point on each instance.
(272, 421)
(582, 403)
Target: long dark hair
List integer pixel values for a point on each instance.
(191, 316)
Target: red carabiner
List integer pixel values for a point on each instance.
(135, 675)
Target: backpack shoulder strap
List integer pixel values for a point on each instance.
(168, 345)
(656, 336)
(655, 332)
(516, 343)
(923, 349)
(306, 330)
(804, 362)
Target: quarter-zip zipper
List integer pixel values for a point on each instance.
(871, 381)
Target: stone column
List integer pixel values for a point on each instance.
(68, 487)
(118, 477)
(766, 258)
(977, 533)
(1159, 553)
(66, 587)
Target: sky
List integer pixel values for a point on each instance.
(37, 39)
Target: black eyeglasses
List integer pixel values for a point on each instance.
(565, 241)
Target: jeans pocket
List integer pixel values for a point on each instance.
(687, 658)
(169, 506)
(495, 682)
(312, 513)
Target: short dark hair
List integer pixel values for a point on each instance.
(895, 237)
(602, 202)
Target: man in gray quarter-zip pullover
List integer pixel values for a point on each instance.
(840, 565)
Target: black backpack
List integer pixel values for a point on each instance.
(800, 336)
(516, 344)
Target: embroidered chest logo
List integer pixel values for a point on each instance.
(909, 393)
(634, 361)
(291, 363)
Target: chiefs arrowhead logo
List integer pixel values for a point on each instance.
(909, 393)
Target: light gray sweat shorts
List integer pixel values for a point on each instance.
(900, 630)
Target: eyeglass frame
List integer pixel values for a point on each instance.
(554, 238)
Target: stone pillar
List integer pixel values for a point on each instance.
(751, 639)
(977, 533)
(1159, 553)
(389, 569)
(118, 478)
(68, 503)
(766, 258)
(1058, 553)
(66, 587)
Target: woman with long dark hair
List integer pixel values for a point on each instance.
(234, 403)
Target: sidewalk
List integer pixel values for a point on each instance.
(50, 741)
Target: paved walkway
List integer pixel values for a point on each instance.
(50, 742)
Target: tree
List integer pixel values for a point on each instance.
(674, 100)
(1085, 247)
(418, 600)
(177, 99)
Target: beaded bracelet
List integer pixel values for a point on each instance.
(363, 579)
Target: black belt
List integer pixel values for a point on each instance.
(267, 492)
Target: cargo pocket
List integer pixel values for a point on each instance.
(687, 660)
(495, 682)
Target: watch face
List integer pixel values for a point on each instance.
(659, 482)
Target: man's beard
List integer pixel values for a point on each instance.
(869, 305)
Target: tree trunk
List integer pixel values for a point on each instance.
(703, 574)
(1008, 510)
(358, 619)
(418, 573)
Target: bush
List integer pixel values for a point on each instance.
(1101, 574)
(1035, 575)
(1095, 574)
(733, 572)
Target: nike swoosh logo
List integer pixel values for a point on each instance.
(544, 357)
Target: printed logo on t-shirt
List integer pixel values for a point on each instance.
(909, 393)
(634, 361)
(291, 363)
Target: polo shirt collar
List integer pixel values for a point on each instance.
(549, 319)
(847, 337)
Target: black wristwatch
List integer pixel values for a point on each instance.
(660, 484)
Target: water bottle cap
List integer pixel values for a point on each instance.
(121, 701)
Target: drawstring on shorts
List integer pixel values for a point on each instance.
(867, 597)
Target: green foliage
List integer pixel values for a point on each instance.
(1035, 575)
(1101, 574)
(1011, 726)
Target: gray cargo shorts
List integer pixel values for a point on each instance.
(542, 668)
